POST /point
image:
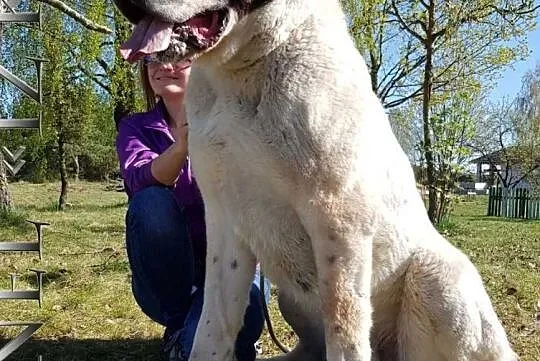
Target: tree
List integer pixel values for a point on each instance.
(391, 55)
(461, 43)
(416, 50)
(85, 83)
(59, 84)
(77, 16)
(6, 203)
(529, 136)
(125, 89)
(453, 122)
(453, 116)
(73, 98)
(11, 50)
(505, 141)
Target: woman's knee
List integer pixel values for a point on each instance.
(150, 200)
(156, 231)
(153, 213)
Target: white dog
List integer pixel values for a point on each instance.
(299, 169)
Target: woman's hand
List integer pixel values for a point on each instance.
(166, 167)
(180, 135)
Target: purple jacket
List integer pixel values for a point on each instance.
(141, 138)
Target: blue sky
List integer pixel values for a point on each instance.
(510, 81)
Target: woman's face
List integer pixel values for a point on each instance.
(168, 79)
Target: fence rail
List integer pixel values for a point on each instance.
(513, 203)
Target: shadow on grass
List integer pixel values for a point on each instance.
(53, 207)
(52, 275)
(50, 207)
(111, 266)
(87, 350)
(109, 228)
(15, 219)
(98, 207)
(500, 219)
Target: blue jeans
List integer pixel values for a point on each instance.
(164, 272)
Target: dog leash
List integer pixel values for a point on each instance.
(267, 316)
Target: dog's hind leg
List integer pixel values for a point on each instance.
(342, 245)
(344, 272)
(446, 314)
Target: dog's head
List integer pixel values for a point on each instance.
(179, 30)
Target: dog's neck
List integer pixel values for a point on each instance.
(263, 30)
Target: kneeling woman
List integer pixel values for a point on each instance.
(165, 231)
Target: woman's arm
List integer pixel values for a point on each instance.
(166, 167)
(141, 166)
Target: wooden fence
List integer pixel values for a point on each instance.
(513, 203)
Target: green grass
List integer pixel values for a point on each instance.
(88, 309)
(90, 314)
(507, 254)
(11, 218)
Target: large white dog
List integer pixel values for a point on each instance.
(299, 170)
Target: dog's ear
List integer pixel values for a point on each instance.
(129, 10)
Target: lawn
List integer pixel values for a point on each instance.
(90, 314)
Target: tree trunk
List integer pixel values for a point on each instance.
(6, 204)
(77, 167)
(374, 71)
(63, 173)
(426, 104)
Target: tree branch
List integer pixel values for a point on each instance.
(404, 25)
(103, 65)
(526, 174)
(78, 17)
(89, 74)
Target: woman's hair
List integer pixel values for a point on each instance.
(149, 95)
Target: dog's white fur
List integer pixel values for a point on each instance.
(299, 169)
